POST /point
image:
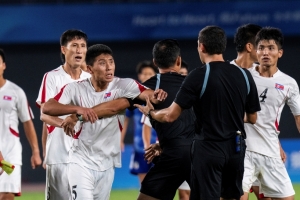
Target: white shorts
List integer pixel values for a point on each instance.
(11, 183)
(270, 172)
(184, 186)
(57, 182)
(89, 184)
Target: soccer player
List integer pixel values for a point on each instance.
(173, 167)
(56, 145)
(244, 40)
(220, 94)
(14, 106)
(96, 150)
(275, 89)
(138, 166)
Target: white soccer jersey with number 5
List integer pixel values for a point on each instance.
(58, 143)
(98, 144)
(13, 106)
(274, 92)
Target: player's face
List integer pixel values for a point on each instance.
(75, 52)
(103, 69)
(183, 71)
(2, 67)
(146, 73)
(268, 53)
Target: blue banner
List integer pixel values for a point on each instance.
(102, 22)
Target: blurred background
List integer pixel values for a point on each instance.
(30, 32)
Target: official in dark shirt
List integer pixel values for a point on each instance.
(223, 97)
(174, 165)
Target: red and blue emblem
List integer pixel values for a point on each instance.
(279, 86)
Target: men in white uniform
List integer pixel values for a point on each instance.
(56, 149)
(96, 152)
(263, 160)
(14, 106)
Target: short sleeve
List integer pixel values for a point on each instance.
(145, 120)
(47, 89)
(252, 101)
(66, 93)
(294, 99)
(23, 108)
(132, 88)
(189, 91)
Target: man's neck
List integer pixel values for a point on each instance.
(244, 61)
(267, 71)
(74, 72)
(2, 81)
(168, 70)
(213, 58)
(99, 86)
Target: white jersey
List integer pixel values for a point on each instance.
(98, 144)
(274, 92)
(13, 106)
(58, 150)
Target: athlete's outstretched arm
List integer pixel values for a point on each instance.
(297, 119)
(32, 139)
(250, 118)
(169, 114)
(155, 97)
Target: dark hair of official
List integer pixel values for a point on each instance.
(270, 33)
(165, 53)
(145, 64)
(2, 54)
(213, 39)
(70, 35)
(245, 34)
(96, 50)
(184, 65)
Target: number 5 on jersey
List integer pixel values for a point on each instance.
(263, 95)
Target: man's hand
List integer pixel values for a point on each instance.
(35, 159)
(152, 151)
(159, 96)
(88, 114)
(68, 125)
(282, 154)
(145, 109)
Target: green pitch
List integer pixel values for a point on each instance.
(125, 195)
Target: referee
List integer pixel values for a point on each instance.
(220, 94)
(173, 166)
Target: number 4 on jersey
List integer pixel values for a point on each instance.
(263, 95)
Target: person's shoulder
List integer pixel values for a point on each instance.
(14, 87)
(52, 73)
(287, 78)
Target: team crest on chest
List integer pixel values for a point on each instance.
(7, 98)
(107, 94)
(279, 86)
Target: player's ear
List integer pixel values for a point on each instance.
(154, 62)
(178, 61)
(249, 47)
(202, 48)
(280, 53)
(89, 69)
(62, 49)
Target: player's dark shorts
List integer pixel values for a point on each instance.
(138, 164)
(171, 169)
(217, 170)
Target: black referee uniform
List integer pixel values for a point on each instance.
(174, 164)
(217, 158)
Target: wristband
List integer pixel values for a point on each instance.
(148, 115)
(79, 117)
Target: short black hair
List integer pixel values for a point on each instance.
(245, 34)
(70, 35)
(184, 65)
(270, 33)
(96, 50)
(165, 53)
(145, 64)
(2, 54)
(213, 39)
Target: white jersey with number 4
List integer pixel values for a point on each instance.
(274, 92)
(58, 143)
(13, 106)
(98, 144)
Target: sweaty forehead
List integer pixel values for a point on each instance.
(104, 56)
(77, 40)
